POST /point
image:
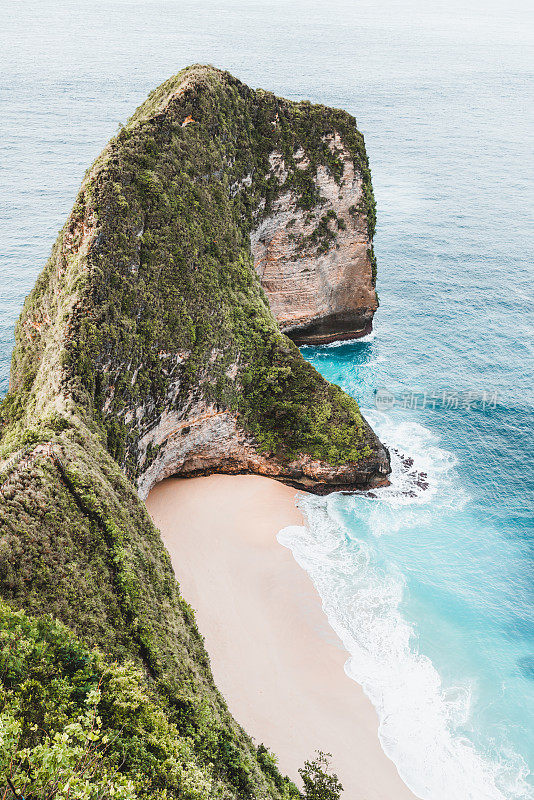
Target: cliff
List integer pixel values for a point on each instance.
(149, 320)
(148, 348)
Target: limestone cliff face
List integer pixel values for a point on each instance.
(316, 267)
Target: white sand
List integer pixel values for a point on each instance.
(274, 657)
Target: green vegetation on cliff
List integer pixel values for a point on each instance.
(75, 724)
(148, 304)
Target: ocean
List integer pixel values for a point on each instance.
(429, 582)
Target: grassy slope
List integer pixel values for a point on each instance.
(77, 544)
(155, 258)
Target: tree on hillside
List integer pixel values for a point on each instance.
(318, 783)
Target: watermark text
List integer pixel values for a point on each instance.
(447, 400)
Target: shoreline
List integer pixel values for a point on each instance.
(275, 659)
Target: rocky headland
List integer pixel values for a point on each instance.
(154, 344)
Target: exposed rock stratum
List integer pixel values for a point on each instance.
(316, 266)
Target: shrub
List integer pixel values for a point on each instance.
(318, 783)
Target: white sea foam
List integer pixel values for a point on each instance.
(341, 342)
(420, 720)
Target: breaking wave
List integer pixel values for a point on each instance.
(423, 722)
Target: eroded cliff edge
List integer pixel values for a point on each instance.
(148, 348)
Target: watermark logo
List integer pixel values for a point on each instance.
(384, 399)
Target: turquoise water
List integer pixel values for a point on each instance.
(430, 588)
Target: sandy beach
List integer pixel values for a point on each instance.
(274, 657)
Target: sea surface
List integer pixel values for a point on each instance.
(430, 582)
